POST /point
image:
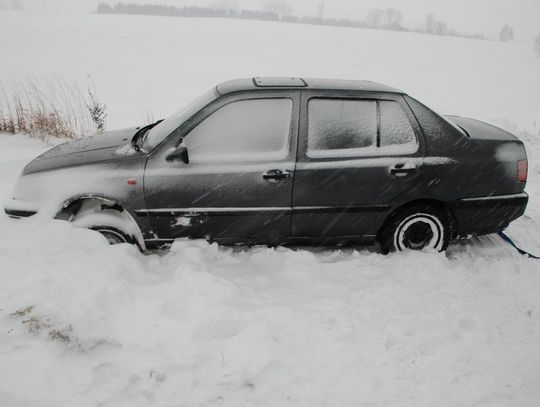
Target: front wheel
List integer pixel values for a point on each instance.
(113, 235)
(416, 228)
(115, 225)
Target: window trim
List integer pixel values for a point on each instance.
(258, 157)
(307, 94)
(184, 129)
(369, 151)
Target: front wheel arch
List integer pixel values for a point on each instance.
(74, 210)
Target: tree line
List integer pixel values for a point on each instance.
(12, 4)
(278, 10)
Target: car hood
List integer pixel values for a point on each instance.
(111, 145)
(478, 130)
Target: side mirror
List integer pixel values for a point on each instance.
(179, 153)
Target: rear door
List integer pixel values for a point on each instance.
(238, 183)
(357, 154)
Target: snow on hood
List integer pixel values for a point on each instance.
(99, 141)
(86, 150)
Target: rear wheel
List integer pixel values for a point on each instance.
(416, 228)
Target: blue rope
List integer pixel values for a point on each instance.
(507, 239)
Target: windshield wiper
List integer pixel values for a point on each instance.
(139, 137)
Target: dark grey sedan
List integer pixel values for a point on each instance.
(287, 160)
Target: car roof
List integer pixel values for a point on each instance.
(258, 83)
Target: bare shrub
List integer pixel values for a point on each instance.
(97, 112)
(147, 115)
(21, 312)
(50, 107)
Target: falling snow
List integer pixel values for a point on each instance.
(83, 323)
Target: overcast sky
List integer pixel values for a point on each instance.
(470, 16)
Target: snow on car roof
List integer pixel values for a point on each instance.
(247, 84)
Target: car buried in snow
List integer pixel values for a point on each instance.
(282, 161)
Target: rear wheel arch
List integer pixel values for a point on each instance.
(437, 205)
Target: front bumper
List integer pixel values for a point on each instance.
(17, 208)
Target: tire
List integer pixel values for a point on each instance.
(110, 223)
(416, 228)
(113, 235)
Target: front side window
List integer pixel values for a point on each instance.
(339, 127)
(160, 132)
(246, 130)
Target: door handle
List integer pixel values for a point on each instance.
(276, 175)
(403, 169)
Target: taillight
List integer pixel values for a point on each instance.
(522, 170)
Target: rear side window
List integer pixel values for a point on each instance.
(339, 127)
(395, 126)
(246, 130)
(341, 124)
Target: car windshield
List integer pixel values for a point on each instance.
(161, 131)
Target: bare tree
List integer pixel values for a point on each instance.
(320, 7)
(279, 7)
(430, 23)
(440, 28)
(104, 8)
(434, 26)
(393, 18)
(374, 17)
(506, 34)
(226, 5)
(16, 5)
(537, 45)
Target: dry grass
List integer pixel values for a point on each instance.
(50, 107)
(39, 324)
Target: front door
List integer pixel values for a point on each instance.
(238, 182)
(357, 154)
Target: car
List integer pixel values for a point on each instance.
(284, 161)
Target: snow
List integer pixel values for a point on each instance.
(19, 205)
(204, 326)
(83, 323)
(350, 128)
(253, 130)
(341, 124)
(125, 150)
(183, 221)
(86, 324)
(92, 215)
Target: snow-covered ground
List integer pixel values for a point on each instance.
(86, 324)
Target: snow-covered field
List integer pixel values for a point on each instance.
(157, 64)
(86, 324)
